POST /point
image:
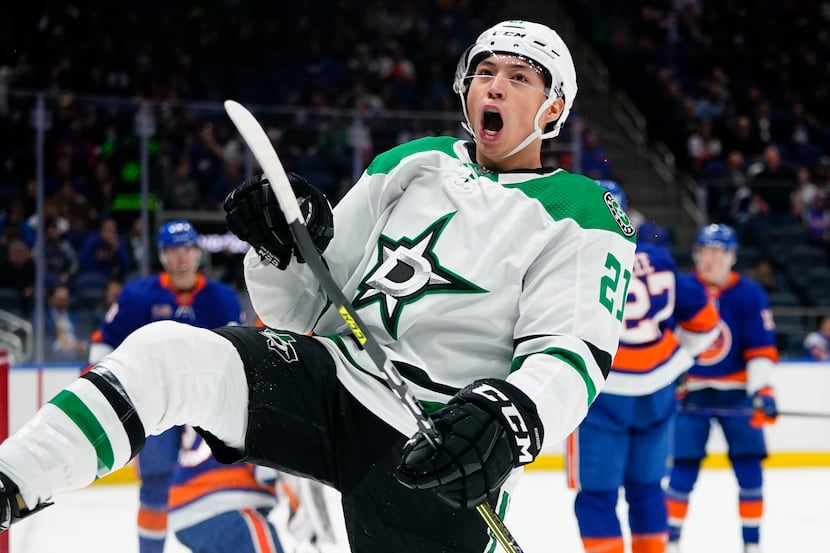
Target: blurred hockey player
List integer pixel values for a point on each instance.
(207, 505)
(624, 442)
(494, 284)
(732, 375)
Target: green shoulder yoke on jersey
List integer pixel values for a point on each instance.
(564, 195)
(388, 160)
(570, 196)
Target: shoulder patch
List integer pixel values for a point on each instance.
(619, 215)
(570, 196)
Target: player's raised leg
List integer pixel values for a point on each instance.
(164, 374)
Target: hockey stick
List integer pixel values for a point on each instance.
(745, 412)
(265, 154)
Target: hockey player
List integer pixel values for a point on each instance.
(494, 284)
(668, 319)
(206, 499)
(733, 374)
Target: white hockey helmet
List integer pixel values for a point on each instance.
(536, 42)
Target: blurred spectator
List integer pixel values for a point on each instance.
(703, 147)
(133, 240)
(51, 210)
(59, 255)
(206, 157)
(817, 342)
(17, 272)
(65, 329)
(595, 162)
(101, 191)
(105, 253)
(801, 132)
(816, 219)
(232, 175)
(743, 137)
(773, 185)
(70, 204)
(711, 105)
(181, 191)
(764, 122)
(763, 273)
(95, 315)
(804, 193)
(721, 190)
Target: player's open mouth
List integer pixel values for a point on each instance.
(491, 122)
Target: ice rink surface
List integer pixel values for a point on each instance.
(101, 519)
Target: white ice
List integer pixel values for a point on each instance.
(101, 519)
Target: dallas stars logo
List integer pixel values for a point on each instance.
(407, 270)
(281, 344)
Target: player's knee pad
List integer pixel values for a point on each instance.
(179, 374)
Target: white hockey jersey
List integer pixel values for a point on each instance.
(462, 273)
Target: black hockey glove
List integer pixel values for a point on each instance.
(253, 214)
(487, 429)
(10, 511)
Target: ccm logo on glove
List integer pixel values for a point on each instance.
(514, 420)
(487, 429)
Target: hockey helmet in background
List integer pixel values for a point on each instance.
(717, 235)
(616, 190)
(177, 233)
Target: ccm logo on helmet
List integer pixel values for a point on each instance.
(512, 416)
(509, 33)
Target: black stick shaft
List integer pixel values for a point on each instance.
(748, 411)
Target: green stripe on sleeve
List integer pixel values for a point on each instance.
(80, 414)
(572, 359)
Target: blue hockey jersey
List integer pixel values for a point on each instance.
(746, 332)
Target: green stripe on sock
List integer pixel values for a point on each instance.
(80, 414)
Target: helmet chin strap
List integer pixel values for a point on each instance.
(536, 133)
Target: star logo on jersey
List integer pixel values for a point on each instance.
(281, 344)
(407, 270)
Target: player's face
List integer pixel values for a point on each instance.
(714, 263)
(181, 259)
(505, 93)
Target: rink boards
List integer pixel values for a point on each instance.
(793, 441)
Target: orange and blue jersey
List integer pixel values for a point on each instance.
(202, 487)
(667, 319)
(650, 355)
(747, 331)
(210, 304)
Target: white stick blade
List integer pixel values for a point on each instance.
(264, 152)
